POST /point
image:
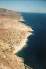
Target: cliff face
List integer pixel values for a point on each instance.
(13, 37)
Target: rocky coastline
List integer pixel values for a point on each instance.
(13, 37)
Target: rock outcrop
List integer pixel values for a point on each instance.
(13, 37)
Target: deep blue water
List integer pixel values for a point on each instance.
(35, 52)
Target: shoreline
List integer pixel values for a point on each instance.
(13, 37)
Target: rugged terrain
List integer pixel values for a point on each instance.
(13, 37)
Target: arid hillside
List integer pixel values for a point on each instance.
(9, 13)
(13, 37)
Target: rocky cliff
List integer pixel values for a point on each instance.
(13, 37)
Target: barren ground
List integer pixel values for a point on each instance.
(13, 37)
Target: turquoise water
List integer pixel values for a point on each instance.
(35, 52)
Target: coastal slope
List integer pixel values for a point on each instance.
(13, 37)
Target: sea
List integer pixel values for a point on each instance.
(35, 53)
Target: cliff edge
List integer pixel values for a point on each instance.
(13, 37)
